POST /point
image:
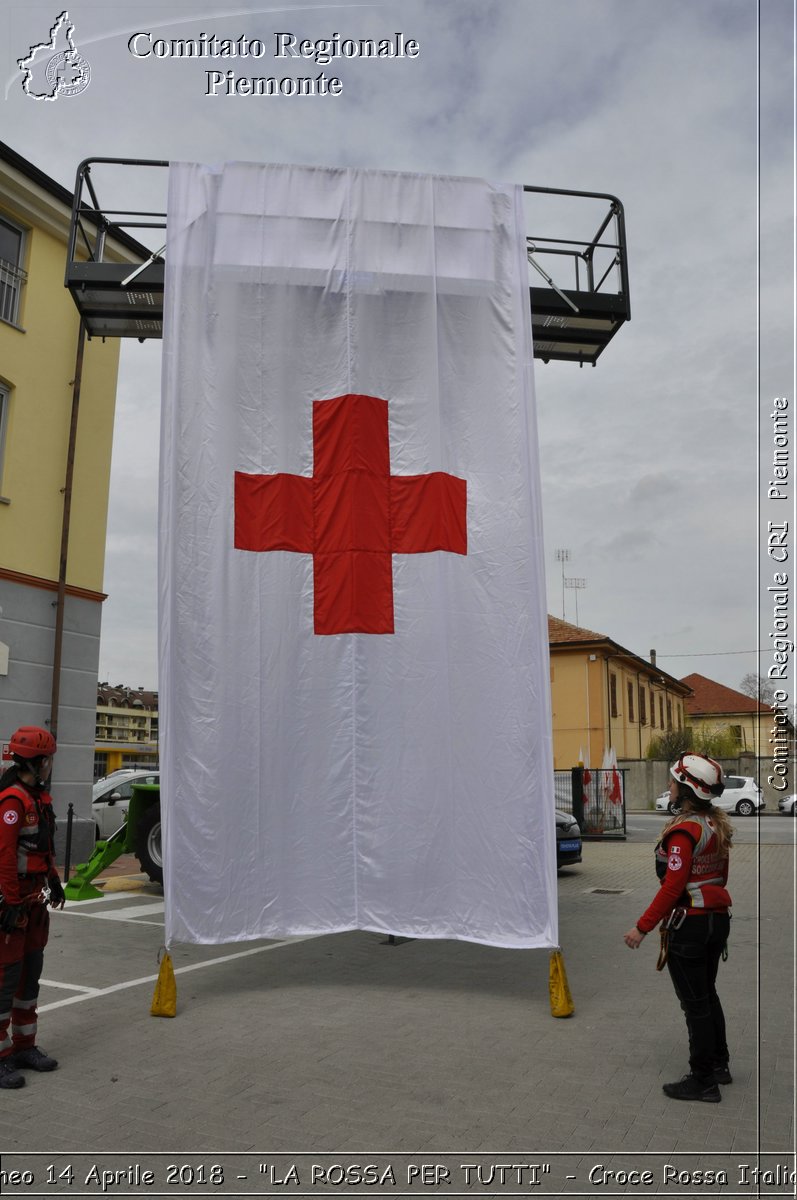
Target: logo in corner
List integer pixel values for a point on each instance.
(55, 68)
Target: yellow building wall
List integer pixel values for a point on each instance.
(38, 425)
(755, 730)
(630, 737)
(625, 730)
(580, 706)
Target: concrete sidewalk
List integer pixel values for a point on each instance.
(347, 1045)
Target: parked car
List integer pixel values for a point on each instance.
(788, 805)
(568, 840)
(122, 773)
(111, 798)
(742, 795)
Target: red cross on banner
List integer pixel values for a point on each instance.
(352, 515)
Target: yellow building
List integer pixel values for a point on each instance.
(605, 697)
(39, 328)
(753, 726)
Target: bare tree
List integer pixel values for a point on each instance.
(758, 688)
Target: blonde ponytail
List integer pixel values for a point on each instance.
(718, 817)
(723, 828)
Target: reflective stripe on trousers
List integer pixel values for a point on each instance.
(21, 962)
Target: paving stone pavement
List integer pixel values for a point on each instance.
(348, 1045)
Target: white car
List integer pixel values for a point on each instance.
(113, 776)
(742, 795)
(111, 798)
(788, 805)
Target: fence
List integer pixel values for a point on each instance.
(595, 798)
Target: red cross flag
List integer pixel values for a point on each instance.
(355, 722)
(352, 516)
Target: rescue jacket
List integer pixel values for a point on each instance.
(693, 873)
(27, 852)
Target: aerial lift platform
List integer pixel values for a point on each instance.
(578, 289)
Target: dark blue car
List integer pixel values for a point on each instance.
(568, 840)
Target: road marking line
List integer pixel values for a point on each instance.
(125, 914)
(209, 962)
(73, 987)
(130, 921)
(73, 904)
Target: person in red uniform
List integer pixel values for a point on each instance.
(28, 883)
(693, 905)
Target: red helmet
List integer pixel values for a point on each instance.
(30, 741)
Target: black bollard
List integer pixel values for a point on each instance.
(68, 850)
(577, 777)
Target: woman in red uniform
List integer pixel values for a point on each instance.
(28, 883)
(693, 902)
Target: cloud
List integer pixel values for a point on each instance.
(645, 459)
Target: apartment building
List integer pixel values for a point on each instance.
(127, 728)
(51, 592)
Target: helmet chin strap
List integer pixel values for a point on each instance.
(31, 769)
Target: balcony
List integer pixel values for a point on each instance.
(11, 280)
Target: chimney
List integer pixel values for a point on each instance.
(653, 658)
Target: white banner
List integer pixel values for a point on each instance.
(354, 697)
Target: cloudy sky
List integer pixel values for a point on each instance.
(650, 462)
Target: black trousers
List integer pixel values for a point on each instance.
(695, 952)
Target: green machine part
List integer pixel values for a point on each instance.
(109, 849)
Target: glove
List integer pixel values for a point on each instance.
(12, 917)
(57, 894)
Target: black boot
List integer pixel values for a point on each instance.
(33, 1057)
(9, 1076)
(693, 1088)
(722, 1074)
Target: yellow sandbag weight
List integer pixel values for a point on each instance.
(164, 999)
(558, 988)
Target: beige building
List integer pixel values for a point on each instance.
(719, 708)
(605, 697)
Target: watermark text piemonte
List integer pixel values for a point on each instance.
(320, 52)
(779, 594)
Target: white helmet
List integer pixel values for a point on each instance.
(701, 774)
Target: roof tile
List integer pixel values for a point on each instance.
(714, 698)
